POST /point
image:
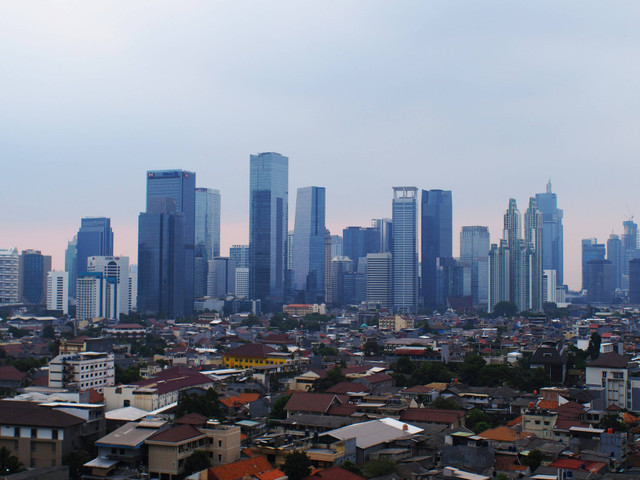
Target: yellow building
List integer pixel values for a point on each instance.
(254, 355)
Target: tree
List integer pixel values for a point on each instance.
(505, 309)
(48, 332)
(278, 411)
(76, 460)
(477, 420)
(297, 465)
(445, 403)
(197, 461)
(334, 376)
(533, 460)
(594, 346)
(372, 348)
(127, 375)
(9, 463)
(377, 468)
(351, 467)
(206, 405)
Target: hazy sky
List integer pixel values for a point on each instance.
(487, 99)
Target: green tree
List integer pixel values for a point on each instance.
(594, 346)
(533, 460)
(278, 411)
(505, 309)
(9, 463)
(76, 460)
(612, 421)
(377, 468)
(351, 467)
(297, 465)
(476, 420)
(372, 348)
(471, 367)
(334, 376)
(445, 403)
(48, 332)
(206, 405)
(199, 460)
(250, 321)
(127, 375)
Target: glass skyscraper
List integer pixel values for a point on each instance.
(95, 237)
(180, 186)
(405, 249)
(207, 225)
(474, 253)
(309, 245)
(358, 242)
(552, 233)
(268, 225)
(591, 250)
(34, 268)
(437, 239)
(161, 272)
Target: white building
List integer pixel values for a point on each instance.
(379, 283)
(242, 282)
(58, 291)
(610, 372)
(9, 281)
(118, 268)
(82, 371)
(549, 287)
(133, 288)
(96, 297)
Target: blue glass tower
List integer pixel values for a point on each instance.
(309, 244)
(33, 269)
(161, 272)
(437, 239)
(591, 250)
(552, 233)
(358, 242)
(268, 222)
(179, 185)
(207, 223)
(404, 262)
(95, 238)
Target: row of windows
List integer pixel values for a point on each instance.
(34, 433)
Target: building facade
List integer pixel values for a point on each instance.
(33, 269)
(379, 280)
(405, 249)
(96, 297)
(591, 250)
(82, 371)
(118, 269)
(436, 239)
(475, 243)
(309, 245)
(9, 276)
(58, 291)
(95, 237)
(552, 233)
(207, 223)
(268, 226)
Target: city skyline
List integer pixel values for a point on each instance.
(400, 93)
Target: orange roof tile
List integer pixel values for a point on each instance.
(515, 421)
(237, 470)
(500, 434)
(271, 475)
(547, 404)
(240, 400)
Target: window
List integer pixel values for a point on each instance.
(34, 432)
(33, 446)
(220, 458)
(537, 422)
(54, 434)
(53, 448)
(219, 443)
(604, 374)
(16, 432)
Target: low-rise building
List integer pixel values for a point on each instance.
(82, 371)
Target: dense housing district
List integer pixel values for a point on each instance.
(317, 394)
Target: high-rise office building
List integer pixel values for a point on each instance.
(336, 246)
(340, 266)
(634, 281)
(71, 264)
(474, 253)
(591, 250)
(515, 264)
(179, 185)
(222, 277)
(533, 237)
(358, 242)
(599, 280)
(9, 275)
(240, 255)
(117, 268)
(379, 280)
(327, 265)
(95, 237)
(242, 282)
(207, 223)
(58, 291)
(309, 245)
(268, 222)
(616, 255)
(552, 233)
(161, 253)
(436, 237)
(629, 247)
(384, 228)
(96, 297)
(200, 272)
(405, 249)
(133, 288)
(33, 270)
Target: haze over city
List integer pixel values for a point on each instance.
(486, 100)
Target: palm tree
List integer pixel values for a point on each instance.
(8, 462)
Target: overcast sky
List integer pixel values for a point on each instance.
(487, 99)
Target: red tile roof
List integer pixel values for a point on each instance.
(578, 464)
(192, 419)
(252, 350)
(237, 470)
(347, 387)
(240, 400)
(311, 402)
(11, 373)
(271, 475)
(176, 434)
(335, 473)
(173, 379)
(29, 414)
(431, 415)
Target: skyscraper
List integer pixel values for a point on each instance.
(179, 185)
(161, 253)
(599, 284)
(9, 275)
(437, 238)
(474, 253)
(95, 237)
(118, 269)
(552, 233)
(33, 270)
(533, 235)
(71, 264)
(591, 250)
(405, 249)
(207, 223)
(616, 255)
(379, 279)
(309, 245)
(268, 221)
(358, 242)
(240, 255)
(630, 248)
(384, 228)
(58, 291)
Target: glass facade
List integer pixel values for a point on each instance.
(358, 242)
(436, 237)
(95, 237)
(309, 245)
(180, 186)
(552, 233)
(405, 249)
(268, 222)
(474, 253)
(207, 223)
(34, 268)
